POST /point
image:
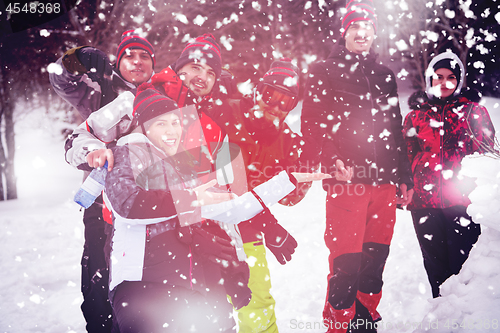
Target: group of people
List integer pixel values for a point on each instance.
(177, 241)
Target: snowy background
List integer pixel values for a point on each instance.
(41, 241)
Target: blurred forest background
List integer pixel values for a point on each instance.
(252, 33)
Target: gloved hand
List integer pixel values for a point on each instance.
(95, 61)
(226, 86)
(236, 277)
(172, 85)
(277, 239)
(217, 249)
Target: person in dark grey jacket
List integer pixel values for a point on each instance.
(88, 81)
(352, 125)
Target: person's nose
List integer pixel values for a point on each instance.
(276, 109)
(203, 75)
(137, 60)
(169, 130)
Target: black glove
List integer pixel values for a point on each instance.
(95, 61)
(236, 276)
(213, 243)
(217, 249)
(279, 241)
(227, 86)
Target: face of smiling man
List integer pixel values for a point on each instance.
(136, 66)
(198, 77)
(359, 37)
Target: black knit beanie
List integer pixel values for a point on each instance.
(203, 49)
(149, 104)
(358, 10)
(283, 73)
(131, 40)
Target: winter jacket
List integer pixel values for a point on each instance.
(84, 93)
(439, 134)
(351, 112)
(148, 194)
(109, 123)
(265, 151)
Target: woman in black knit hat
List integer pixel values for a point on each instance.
(172, 264)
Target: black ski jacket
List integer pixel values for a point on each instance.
(351, 112)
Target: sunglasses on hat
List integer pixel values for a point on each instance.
(272, 96)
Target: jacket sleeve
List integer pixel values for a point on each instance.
(316, 110)
(247, 206)
(481, 128)
(79, 90)
(404, 168)
(410, 136)
(101, 127)
(133, 202)
(294, 163)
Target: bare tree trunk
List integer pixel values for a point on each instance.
(9, 191)
(3, 160)
(10, 176)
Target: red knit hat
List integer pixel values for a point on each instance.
(203, 49)
(358, 10)
(131, 40)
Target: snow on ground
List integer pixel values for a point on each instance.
(41, 240)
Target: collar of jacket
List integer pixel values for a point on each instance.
(452, 102)
(339, 51)
(267, 134)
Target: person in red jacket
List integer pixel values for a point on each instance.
(442, 128)
(256, 126)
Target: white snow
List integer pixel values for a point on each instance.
(41, 242)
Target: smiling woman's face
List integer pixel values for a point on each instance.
(165, 132)
(444, 82)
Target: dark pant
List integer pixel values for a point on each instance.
(155, 307)
(96, 307)
(446, 237)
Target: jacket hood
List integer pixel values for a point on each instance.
(430, 72)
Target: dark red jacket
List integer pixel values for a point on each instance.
(438, 135)
(265, 151)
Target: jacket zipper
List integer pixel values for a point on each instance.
(441, 157)
(191, 268)
(373, 120)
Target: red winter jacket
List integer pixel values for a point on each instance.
(439, 134)
(208, 135)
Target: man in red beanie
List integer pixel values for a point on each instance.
(87, 82)
(256, 125)
(352, 125)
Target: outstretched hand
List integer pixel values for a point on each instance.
(303, 177)
(205, 197)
